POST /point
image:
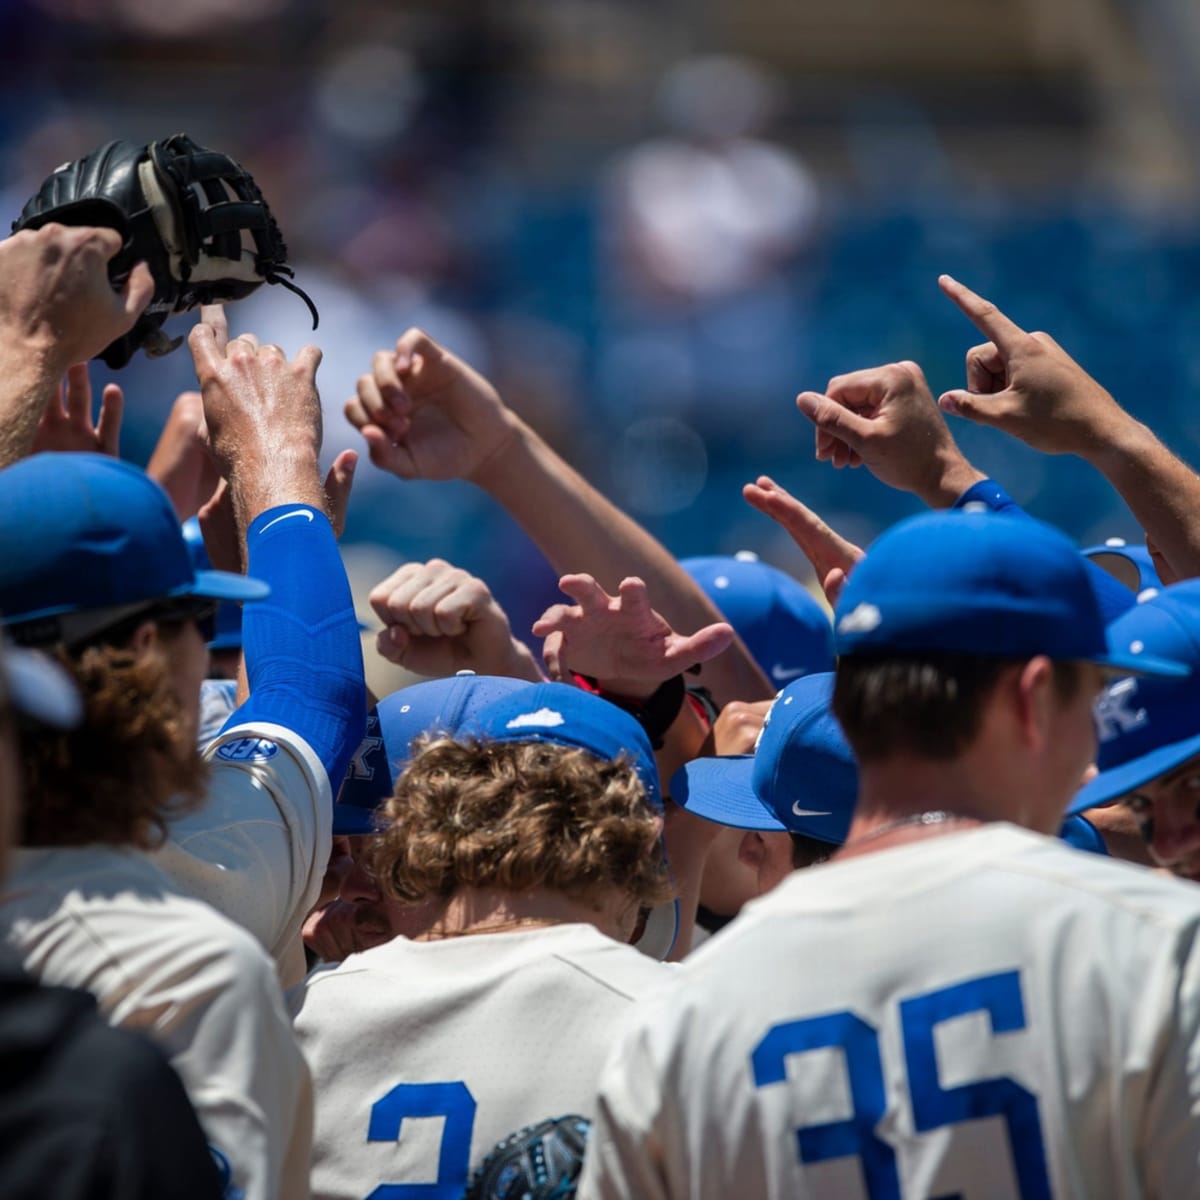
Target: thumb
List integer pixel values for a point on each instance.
(983, 410)
(833, 418)
(338, 483)
(139, 291)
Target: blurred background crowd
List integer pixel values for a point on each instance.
(652, 222)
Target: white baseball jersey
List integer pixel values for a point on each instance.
(425, 1054)
(258, 847)
(981, 1015)
(107, 920)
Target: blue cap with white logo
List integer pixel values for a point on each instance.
(433, 706)
(784, 628)
(1147, 727)
(980, 584)
(802, 776)
(567, 716)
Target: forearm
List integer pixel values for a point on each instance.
(579, 529)
(303, 656)
(27, 383)
(1162, 492)
(271, 476)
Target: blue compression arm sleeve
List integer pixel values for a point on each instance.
(1115, 598)
(303, 654)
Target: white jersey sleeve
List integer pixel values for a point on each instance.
(257, 848)
(108, 921)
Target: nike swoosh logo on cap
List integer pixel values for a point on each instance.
(808, 812)
(299, 512)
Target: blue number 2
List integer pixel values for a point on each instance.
(450, 1100)
(932, 1105)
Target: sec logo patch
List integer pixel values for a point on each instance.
(248, 750)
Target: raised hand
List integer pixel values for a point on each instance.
(425, 414)
(439, 619)
(831, 555)
(180, 462)
(56, 300)
(1027, 385)
(66, 423)
(887, 419)
(620, 640)
(252, 393)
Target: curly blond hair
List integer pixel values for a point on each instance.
(125, 771)
(518, 817)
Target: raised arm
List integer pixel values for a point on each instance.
(427, 415)
(259, 848)
(1027, 385)
(439, 619)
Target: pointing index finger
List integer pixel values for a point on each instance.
(988, 319)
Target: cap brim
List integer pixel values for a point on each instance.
(40, 689)
(1143, 664)
(660, 931)
(1114, 783)
(225, 585)
(721, 790)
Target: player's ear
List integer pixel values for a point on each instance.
(751, 850)
(1035, 697)
(145, 638)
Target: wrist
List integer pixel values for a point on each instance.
(955, 476)
(522, 663)
(507, 463)
(656, 711)
(1124, 441)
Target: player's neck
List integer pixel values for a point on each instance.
(906, 799)
(481, 910)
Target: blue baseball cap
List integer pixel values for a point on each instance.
(433, 706)
(801, 778)
(1128, 565)
(1147, 727)
(39, 688)
(784, 628)
(228, 629)
(980, 584)
(567, 716)
(84, 533)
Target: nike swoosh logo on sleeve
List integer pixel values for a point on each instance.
(299, 512)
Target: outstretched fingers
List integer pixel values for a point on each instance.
(987, 318)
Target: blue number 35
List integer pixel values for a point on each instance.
(933, 1106)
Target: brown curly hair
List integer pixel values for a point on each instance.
(517, 817)
(129, 767)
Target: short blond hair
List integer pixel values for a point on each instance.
(519, 816)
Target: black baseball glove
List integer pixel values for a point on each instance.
(539, 1162)
(182, 210)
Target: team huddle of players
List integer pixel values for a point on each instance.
(899, 903)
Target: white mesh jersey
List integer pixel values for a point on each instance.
(983, 1015)
(257, 848)
(107, 920)
(425, 1054)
